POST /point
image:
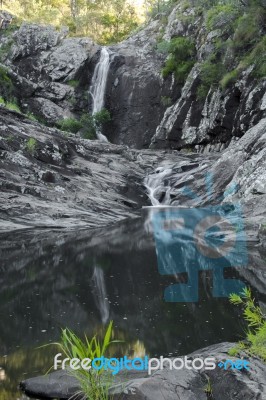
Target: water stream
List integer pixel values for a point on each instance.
(98, 86)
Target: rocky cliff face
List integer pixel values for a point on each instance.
(210, 123)
(52, 75)
(46, 68)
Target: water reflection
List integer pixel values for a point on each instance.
(101, 299)
(51, 280)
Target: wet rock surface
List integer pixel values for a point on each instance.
(61, 182)
(53, 181)
(168, 384)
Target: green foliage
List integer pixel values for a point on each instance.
(155, 7)
(221, 15)
(104, 21)
(208, 390)
(32, 117)
(92, 123)
(256, 322)
(246, 45)
(246, 32)
(181, 58)
(13, 106)
(94, 384)
(10, 105)
(75, 347)
(163, 47)
(88, 124)
(5, 49)
(166, 101)
(229, 78)
(257, 57)
(73, 83)
(211, 73)
(101, 117)
(31, 145)
(70, 125)
(6, 85)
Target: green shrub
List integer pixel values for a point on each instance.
(229, 78)
(166, 101)
(73, 83)
(6, 85)
(31, 145)
(246, 32)
(257, 57)
(88, 124)
(2, 101)
(210, 75)
(181, 58)
(70, 125)
(256, 322)
(92, 123)
(101, 117)
(163, 47)
(5, 49)
(12, 106)
(32, 117)
(94, 384)
(220, 16)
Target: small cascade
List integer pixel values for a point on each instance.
(98, 86)
(100, 294)
(158, 192)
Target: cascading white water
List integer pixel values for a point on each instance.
(156, 186)
(98, 86)
(100, 294)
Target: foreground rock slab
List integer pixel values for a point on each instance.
(167, 384)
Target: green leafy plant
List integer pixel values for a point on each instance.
(70, 125)
(32, 117)
(6, 84)
(31, 145)
(88, 124)
(12, 106)
(95, 384)
(211, 72)
(73, 83)
(229, 78)
(5, 49)
(256, 322)
(181, 58)
(222, 15)
(166, 101)
(208, 389)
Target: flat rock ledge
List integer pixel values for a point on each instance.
(166, 384)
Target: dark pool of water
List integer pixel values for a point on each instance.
(81, 280)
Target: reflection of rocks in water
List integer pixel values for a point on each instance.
(100, 293)
(54, 279)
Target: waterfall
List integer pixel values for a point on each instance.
(98, 86)
(158, 192)
(100, 294)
